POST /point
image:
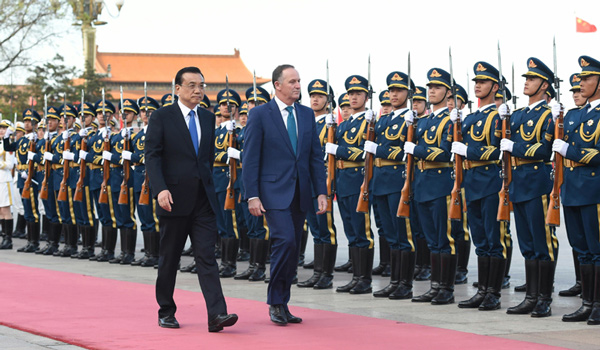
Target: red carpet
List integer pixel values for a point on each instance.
(99, 313)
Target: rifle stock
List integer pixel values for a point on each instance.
(553, 214)
(124, 194)
(63, 191)
(26, 193)
(330, 169)
(230, 196)
(78, 197)
(47, 169)
(406, 193)
(103, 198)
(363, 200)
(455, 212)
(506, 174)
(145, 194)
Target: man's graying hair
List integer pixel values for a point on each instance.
(279, 71)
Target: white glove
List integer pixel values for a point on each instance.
(409, 116)
(506, 144)
(24, 174)
(82, 154)
(503, 110)
(233, 153)
(30, 155)
(68, 155)
(106, 155)
(331, 148)
(48, 156)
(125, 133)
(559, 145)
(31, 137)
(126, 155)
(556, 109)
(104, 132)
(65, 135)
(455, 114)
(370, 147)
(409, 147)
(230, 125)
(459, 148)
(329, 119)
(369, 115)
(84, 132)
(8, 132)
(46, 135)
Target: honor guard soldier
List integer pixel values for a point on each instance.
(350, 136)
(344, 103)
(432, 187)
(228, 101)
(384, 101)
(390, 135)
(104, 112)
(579, 101)
(122, 182)
(20, 228)
(7, 162)
(244, 249)
(324, 233)
(21, 147)
(205, 103)
(218, 117)
(580, 190)
(167, 99)
(480, 151)
(146, 212)
(532, 132)
(258, 231)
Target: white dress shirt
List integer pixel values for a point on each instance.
(398, 112)
(186, 116)
(284, 113)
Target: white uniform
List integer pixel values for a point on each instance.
(7, 163)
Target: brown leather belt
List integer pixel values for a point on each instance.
(470, 164)
(94, 166)
(379, 162)
(345, 164)
(520, 161)
(23, 167)
(216, 164)
(571, 164)
(425, 165)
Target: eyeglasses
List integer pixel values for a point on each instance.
(201, 86)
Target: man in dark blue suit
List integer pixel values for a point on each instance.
(282, 159)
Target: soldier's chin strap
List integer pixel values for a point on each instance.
(489, 92)
(539, 87)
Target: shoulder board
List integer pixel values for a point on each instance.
(546, 106)
(520, 109)
(575, 109)
(598, 108)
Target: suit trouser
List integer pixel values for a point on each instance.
(321, 226)
(537, 241)
(50, 205)
(286, 233)
(201, 225)
(396, 231)
(228, 224)
(65, 208)
(125, 213)
(84, 210)
(487, 232)
(357, 226)
(147, 214)
(106, 213)
(30, 205)
(583, 230)
(415, 224)
(433, 216)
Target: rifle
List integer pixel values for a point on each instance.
(145, 194)
(103, 198)
(26, 192)
(330, 157)
(514, 95)
(230, 196)
(506, 172)
(63, 191)
(553, 214)
(47, 169)
(363, 199)
(78, 196)
(406, 193)
(124, 194)
(455, 211)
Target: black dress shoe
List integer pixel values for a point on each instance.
(521, 288)
(278, 315)
(291, 318)
(168, 322)
(224, 320)
(574, 291)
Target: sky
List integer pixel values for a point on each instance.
(307, 33)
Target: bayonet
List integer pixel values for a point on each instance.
(469, 103)
(514, 95)
(556, 78)
(254, 88)
(502, 81)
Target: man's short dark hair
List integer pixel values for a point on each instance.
(279, 71)
(182, 71)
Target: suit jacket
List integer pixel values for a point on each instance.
(172, 163)
(271, 168)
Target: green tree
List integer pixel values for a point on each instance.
(53, 79)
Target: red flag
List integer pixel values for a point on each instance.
(584, 26)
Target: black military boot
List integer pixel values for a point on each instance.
(146, 236)
(44, 228)
(463, 250)
(542, 308)
(576, 289)
(395, 260)
(111, 243)
(54, 232)
(318, 268)
(8, 231)
(586, 278)
(88, 234)
(407, 274)
(262, 250)
(494, 288)
(131, 239)
(366, 269)
(447, 278)
(384, 259)
(347, 265)
(33, 232)
(20, 229)
(102, 253)
(354, 256)
(329, 255)
(251, 262)
(123, 240)
(27, 247)
(154, 251)
(303, 242)
(71, 241)
(83, 242)
(424, 255)
(483, 273)
(506, 279)
(41, 250)
(532, 289)
(230, 248)
(244, 253)
(594, 318)
(435, 281)
(62, 237)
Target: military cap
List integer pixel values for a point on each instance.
(461, 93)
(261, 94)
(88, 109)
(438, 76)
(129, 105)
(217, 111)
(77, 124)
(356, 83)
(420, 93)
(112, 122)
(31, 114)
(20, 127)
(106, 107)
(344, 100)
(205, 102)
(538, 69)
(384, 97)
(398, 80)
(5, 123)
(41, 125)
(575, 81)
(52, 112)
(550, 92)
(485, 71)
(94, 124)
(589, 66)
(499, 94)
(319, 86)
(244, 108)
(147, 102)
(167, 99)
(229, 95)
(68, 110)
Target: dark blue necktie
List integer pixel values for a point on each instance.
(587, 107)
(527, 109)
(291, 127)
(193, 130)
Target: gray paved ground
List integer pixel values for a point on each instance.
(497, 323)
